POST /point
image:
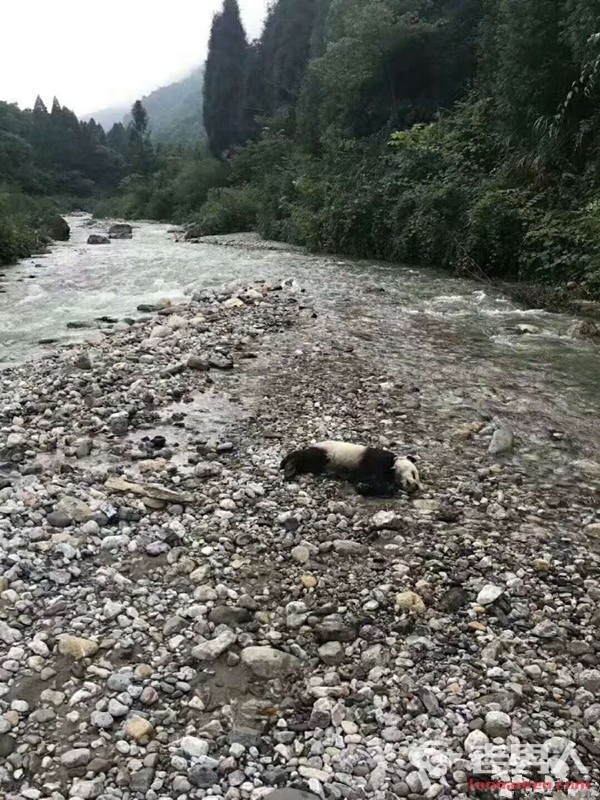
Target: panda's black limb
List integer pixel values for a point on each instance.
(375, 489)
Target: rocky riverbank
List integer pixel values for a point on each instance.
(177, 622)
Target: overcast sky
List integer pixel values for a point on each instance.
(92, 56)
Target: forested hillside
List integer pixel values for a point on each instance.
(453, 133)
(48, 160)
(174, 112)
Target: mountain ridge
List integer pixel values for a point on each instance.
(174, 111)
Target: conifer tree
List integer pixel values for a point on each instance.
(140, 147)
(225, 80)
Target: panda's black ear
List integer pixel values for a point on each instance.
(412, 458)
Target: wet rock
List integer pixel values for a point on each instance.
(120, 230)
(96, 238)
(347, 547)
(57, 228)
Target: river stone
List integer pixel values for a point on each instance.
(334, 629)
(546, 629)
(203, 777)
(75, 509)
(76, 647)
(198, 363)
(268, 663)
(590, 679)
(301, 554)
(141, 781)
(120, 230)
(87, 790)
(194, 747)
(410, 601)
(209, 651)
(348, 547)
(119, 423)
(57, 228)
(139, 729)
(83, 361)
(386, 520)
(502, 442)
(58, 519)
(7, 745)
(95, 238)
(497, 723)
(489, 594)
(290, 794)
(78, 757)
(331, 653)
(476, 740)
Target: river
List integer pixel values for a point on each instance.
(78, 283)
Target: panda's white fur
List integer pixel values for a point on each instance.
(407, 474)
(343, 454)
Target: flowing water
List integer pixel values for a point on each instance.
(78, 283)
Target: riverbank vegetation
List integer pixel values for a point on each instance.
(452, 133)
(461, 134)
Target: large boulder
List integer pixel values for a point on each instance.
(57, 228)
(120, 230)
(97, 239)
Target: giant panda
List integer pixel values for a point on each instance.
(372, 470)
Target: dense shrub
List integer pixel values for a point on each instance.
(17, 239)
(229, 210)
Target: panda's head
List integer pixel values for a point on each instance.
(406, 474)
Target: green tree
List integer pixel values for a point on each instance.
(225, 80)
(141, 154)
(285, 45)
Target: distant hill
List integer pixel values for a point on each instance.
(175, 111)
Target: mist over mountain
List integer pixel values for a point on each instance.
(174, 111)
